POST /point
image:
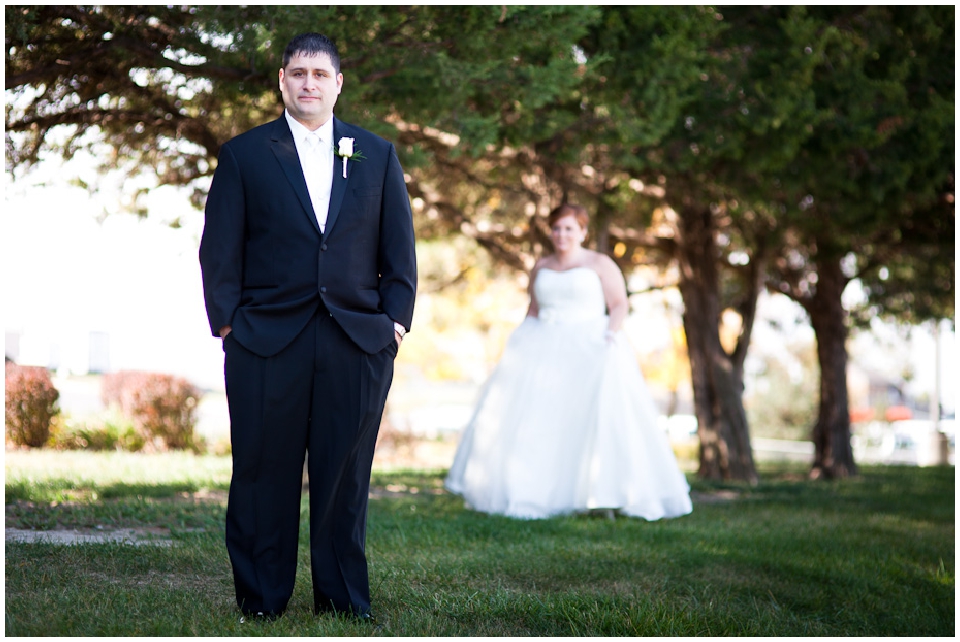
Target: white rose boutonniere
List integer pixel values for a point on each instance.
(346, 152)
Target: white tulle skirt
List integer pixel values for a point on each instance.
(565, 424)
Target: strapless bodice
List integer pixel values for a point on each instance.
(572, 295)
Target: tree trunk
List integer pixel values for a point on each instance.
(725, 451)
(673, 402)
(833, 454)
(602, 227)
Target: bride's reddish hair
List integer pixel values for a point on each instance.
(578, 212)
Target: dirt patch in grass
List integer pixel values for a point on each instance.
(150, 536)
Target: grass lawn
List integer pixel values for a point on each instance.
(872, 556)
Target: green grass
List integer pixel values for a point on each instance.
(866, 557)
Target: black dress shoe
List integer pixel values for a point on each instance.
(258, 616)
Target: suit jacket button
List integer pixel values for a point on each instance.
(323, 290)
(323, 247)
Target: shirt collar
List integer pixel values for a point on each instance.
(300, 132)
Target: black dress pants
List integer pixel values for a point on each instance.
(324, 396)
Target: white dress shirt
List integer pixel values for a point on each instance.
(315, 149)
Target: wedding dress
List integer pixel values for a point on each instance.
(565, 422)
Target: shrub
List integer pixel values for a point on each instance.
(31, 404)
(163, 407)
(395, 446)
(111, 432)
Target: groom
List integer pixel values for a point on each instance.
(309, 278)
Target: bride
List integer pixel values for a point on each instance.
(565, 422)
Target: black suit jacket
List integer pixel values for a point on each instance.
(265, 264)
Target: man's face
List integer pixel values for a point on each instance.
(310, 87)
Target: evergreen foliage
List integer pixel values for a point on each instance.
(789, 147)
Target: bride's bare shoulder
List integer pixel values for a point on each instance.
(606, 268)
(599, 261)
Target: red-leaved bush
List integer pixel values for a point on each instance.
(162, 407)
(31, 404)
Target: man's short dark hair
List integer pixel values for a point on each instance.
(312, 44)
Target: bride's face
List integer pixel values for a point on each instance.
(566, 234)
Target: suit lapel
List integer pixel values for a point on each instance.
(339, 187)
(286, 152)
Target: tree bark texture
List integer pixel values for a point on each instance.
(725, 452)
(833, 453)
